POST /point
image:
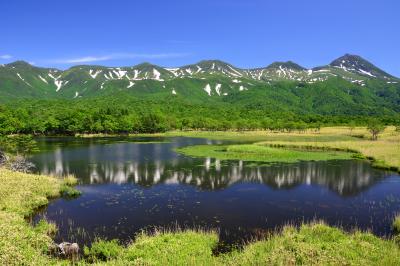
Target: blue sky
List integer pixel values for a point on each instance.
(246, 33)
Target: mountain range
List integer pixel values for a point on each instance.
(348, 82)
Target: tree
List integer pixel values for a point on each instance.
(153, 122)
(266, 123)
(241, 125)
(375, 128)
(19, 144)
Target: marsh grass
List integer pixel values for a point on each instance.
(258, 153)
(384, 152)
(309, 244)
(67, 190)
(317, 244)
(70, 180)
(102, 250)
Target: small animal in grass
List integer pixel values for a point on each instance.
(68, 250)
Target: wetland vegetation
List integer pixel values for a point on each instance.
(261, 153)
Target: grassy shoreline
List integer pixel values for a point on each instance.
(20, 196)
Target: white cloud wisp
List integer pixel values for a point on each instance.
(89, 59)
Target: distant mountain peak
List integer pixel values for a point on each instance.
(359, 65)
(349, 61)
(19, 63)
(214, 62)
(145, 64)
(213, 66)
(287, 64)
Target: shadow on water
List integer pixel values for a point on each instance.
(129, 186)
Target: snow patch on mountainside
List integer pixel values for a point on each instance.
(130, 84)
(366, 73)
(173, 71)
(235, 72)
(23, 80)
(119, 73)
(59, 83)
(157, 75)
(218, 89)
(136, 74)
(43, 79)
(207, 88)
(93, 73)
(198, 69)
(242, 88)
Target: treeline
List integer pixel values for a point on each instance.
(130, 115)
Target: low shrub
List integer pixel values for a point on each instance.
(102, 250)
(69, 192)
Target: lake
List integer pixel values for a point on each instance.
(135, 184)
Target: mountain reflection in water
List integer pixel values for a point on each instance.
(157, 164)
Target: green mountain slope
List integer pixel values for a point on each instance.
(349, 85)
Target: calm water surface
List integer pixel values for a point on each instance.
(134, 184)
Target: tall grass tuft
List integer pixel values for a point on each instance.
(396, 224)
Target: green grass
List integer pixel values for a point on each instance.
(102, 250)
(318, 244)
(168, 248)
(251, 152)
(20, 195)
(312, 244)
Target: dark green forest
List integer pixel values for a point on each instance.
(125, 114)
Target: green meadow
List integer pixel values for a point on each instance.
(261, 153)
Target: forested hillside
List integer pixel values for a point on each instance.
(207, 95)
